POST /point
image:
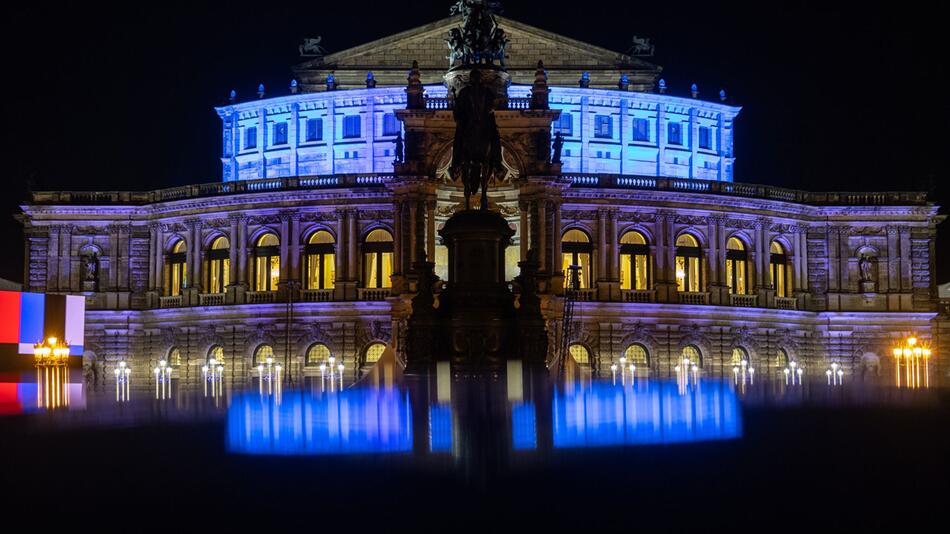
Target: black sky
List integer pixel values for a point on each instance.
(120, 97)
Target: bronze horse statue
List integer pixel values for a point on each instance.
(476, 152)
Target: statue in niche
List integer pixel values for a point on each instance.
(90, 267)
(476, 152)
(557, 145)
(864, 267)
(400, 149)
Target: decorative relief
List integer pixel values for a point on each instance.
(743, 224)
(636, 216)
(690, 220)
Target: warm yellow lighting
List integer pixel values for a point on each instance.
(898, 352)
(680, 274)
(52, 352)
(912, 341)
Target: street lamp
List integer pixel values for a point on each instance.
(792, 371)
(123, 375)
(213, 373)
(912, 352)
(163, 380)
(835, 375)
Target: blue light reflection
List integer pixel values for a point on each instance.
(355, 421)
(601, 414)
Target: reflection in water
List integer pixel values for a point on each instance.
(649, 413)
(52, 389)
(354, 421)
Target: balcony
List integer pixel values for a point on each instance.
(261, 297)
(372, 293)
(786, 303)
(744, 301)
(210, 299)
(170, 302)
(688, 297)
(316, 295)
(638, 295)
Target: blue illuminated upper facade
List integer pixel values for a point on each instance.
(353, 131)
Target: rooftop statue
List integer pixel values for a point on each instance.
(479, 41)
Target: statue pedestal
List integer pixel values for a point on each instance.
(867, 286)
(477, 306)
(492, 77)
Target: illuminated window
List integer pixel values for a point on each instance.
(688, 264)
(692, 353)
(373, 352)
(705, 138)
(351, 126)
(674, 133)
(250, 138)
(781, 360)
(565, 124)
(176, 272)
(637, 355)
(778, 262)
(641, 130)
(267, 263)
(314, 130)
(580, 354)
(320, 261)
(218, 271)
(737, 264)
(576, 249)
(216, 353)
(318, 353)
(174, 357)
(378, 259)
(603, 126)
(280, 133)
(390, 124)
(635, 264)
(262, 353)
(739, 355)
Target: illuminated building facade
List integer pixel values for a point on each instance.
(305, 249)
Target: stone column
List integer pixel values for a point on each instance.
(152, 245)
(557, 276)
(52, 263)
(430, 230)
(340, 257)
(294, 137)
(693, 141)
(195, 277)
(665, 254)
(397, 238)
(370, 129)
(660, 138)
(601, 267)
(413, 232)
(353, 263)
(584, 135)
(294, 246)
(523, 230)
(718, 292)
(65, 256)
(242, 252)
(541, 216)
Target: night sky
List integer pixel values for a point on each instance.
(834, 97)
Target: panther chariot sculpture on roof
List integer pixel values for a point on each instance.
(477, 86)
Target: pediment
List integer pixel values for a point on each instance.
(390, 57)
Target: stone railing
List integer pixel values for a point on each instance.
(212, 189)
(619, 181)
(687, 297)
(210, 299)
(615, 181)
(261, 297)
(745, 301)
(441, 102)
(786, 303)
(585, 295)
(170, 302)
(316, 295)
(638, 295)
(372, 293)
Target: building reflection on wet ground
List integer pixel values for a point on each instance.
(428, 449)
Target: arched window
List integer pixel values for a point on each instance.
(266, 263)
(580, 353)
(262, 353)
(688, 264)
(691, 353)
(778, 262)
(737, 262)
(373, 352)
(635, 264)
(740, 355)
(174, 357)
(216, 353)
(378, 259)
(781, 361)
(636, 354)
(218, 273)
(320, 261)
(576, 249)
(318, 353)
(175, 272)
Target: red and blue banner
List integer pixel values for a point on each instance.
(28, 318)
